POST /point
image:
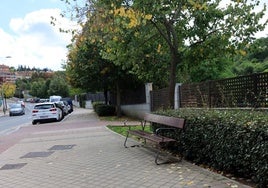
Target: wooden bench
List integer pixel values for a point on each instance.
(170, 124)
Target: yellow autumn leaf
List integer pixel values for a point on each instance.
(115, 38)
(243, 52)
(148, 17)
(159, 48)
(133, 17)
(190, 183)
(108, 50)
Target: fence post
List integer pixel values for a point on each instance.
(256, 81)
(210, 94)
(177, 96)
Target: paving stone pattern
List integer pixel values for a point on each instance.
(66, 157)
(96, 158)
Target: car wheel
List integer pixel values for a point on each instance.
(60, 115)
(33, 122)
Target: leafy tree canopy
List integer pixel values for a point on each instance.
(8, 89)
(153, 39)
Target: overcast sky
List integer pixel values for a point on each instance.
(28, 37)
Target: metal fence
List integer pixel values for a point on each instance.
(95, 96)
(159, 99)
(244, 91)
(136, 95)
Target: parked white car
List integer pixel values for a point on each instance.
(54, 98)
(45, 112)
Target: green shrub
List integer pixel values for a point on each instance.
(235, 141)
(82, 100)
(105, 110)
(96, 103)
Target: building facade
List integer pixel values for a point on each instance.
(6, 75)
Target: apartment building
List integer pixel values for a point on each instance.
(6, 75)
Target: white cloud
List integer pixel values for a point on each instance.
(258, 8)
(35, 42)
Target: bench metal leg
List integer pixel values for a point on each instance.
(125, 143)
(168, 160)
(156, 157)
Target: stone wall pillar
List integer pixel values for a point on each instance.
(177, 96)
(148, 88)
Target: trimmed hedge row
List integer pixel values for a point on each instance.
(103, 109)
(234, 141)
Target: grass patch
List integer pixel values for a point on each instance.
(123, 129)
(115, 118)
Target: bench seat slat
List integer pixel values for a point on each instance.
(165, 120)
(151, 136)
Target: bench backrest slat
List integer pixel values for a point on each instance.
(165, 120)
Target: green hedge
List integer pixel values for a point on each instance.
(82, 100)
(103, 109)
(234, 141)
(96, 104)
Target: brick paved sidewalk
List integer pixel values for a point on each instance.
(90, 155)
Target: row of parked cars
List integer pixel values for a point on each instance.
(55, 109)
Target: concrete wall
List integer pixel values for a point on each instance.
(177, 96)
(136, 110)
(89, 104)
(76, 103)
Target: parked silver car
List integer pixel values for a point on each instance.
(64, 106)
(16, 109)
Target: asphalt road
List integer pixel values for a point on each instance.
(77, 119)
(9, 124)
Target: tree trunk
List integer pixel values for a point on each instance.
(170, 36)
(172, 78)
(106, 96)
(118, 100)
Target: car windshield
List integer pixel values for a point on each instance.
(54, 100)
(15, 106)
(44, 106)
